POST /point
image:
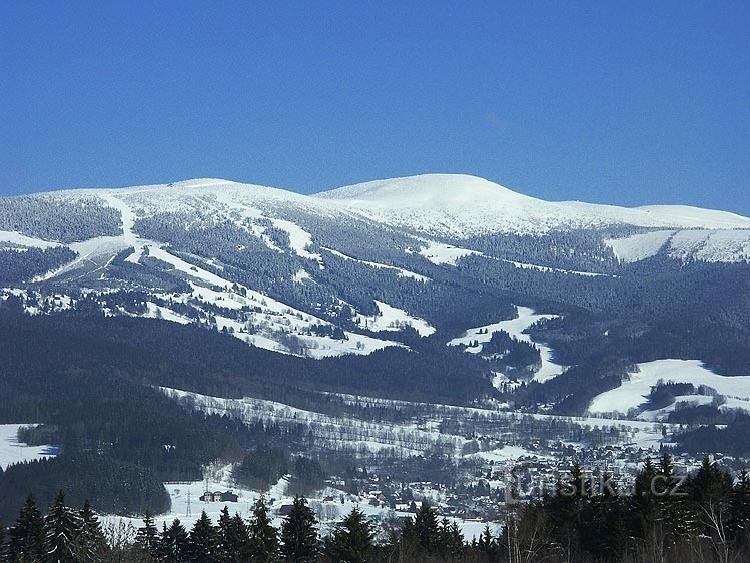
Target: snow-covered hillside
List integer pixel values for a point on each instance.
(634, 391)
(460, 205)
(516, 329)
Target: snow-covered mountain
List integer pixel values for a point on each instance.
(402, 264)
(460, 205)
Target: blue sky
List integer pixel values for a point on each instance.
(621, 102)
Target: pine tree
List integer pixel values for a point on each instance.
(61, 528)
(232, 538)
(352, 541)
(173, 546)
(426, 529)
(299, 536)
(27, 534)
(147, 537)
(90, 543)
(203, 543)
(264, 542)
(451, 539)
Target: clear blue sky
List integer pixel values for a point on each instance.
(622, 102)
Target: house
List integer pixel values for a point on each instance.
(218, 496)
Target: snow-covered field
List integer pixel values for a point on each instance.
(12, 451)
(639, 247)
(441, 253)
(633, 392)
(392, 318)
(515, 327)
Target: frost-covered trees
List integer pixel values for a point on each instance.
(59, 218)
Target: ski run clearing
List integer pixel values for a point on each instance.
(633, 392)
(516, 329)
(12, 451)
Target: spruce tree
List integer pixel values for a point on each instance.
(90, 543)
(61, 529)
(233, 538)
(299, 536)
(27, 534)
(173, 546)
(352, 540)
(264, 542)
(203, 543)
(240, 539)
(426, 530)
(147, 537)
(451, 539)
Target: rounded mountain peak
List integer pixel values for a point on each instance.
(426, 190)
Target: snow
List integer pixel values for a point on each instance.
(301, 275)
(527, 266)
(12, 451)
(461, 205)
(299, 239)
(129, 237)
(154, 311)
(336, 432)
(392, 318)
(276, 317)
(638, 247)
(515, 327)
(187, 268)
(633, 392)
(700, 244)
(16, 238)
(441, 253)
(403, 273)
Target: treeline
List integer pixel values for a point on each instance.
(116, 487)
(66, 535)
(704, 517)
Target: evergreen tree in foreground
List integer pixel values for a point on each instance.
(264, 542)
(352, 541)
(62, 527)
(203, 544)
(173, 544)
(147, 537)
(90, 543)
(299, 536)
(27, 534)
(233, 538)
